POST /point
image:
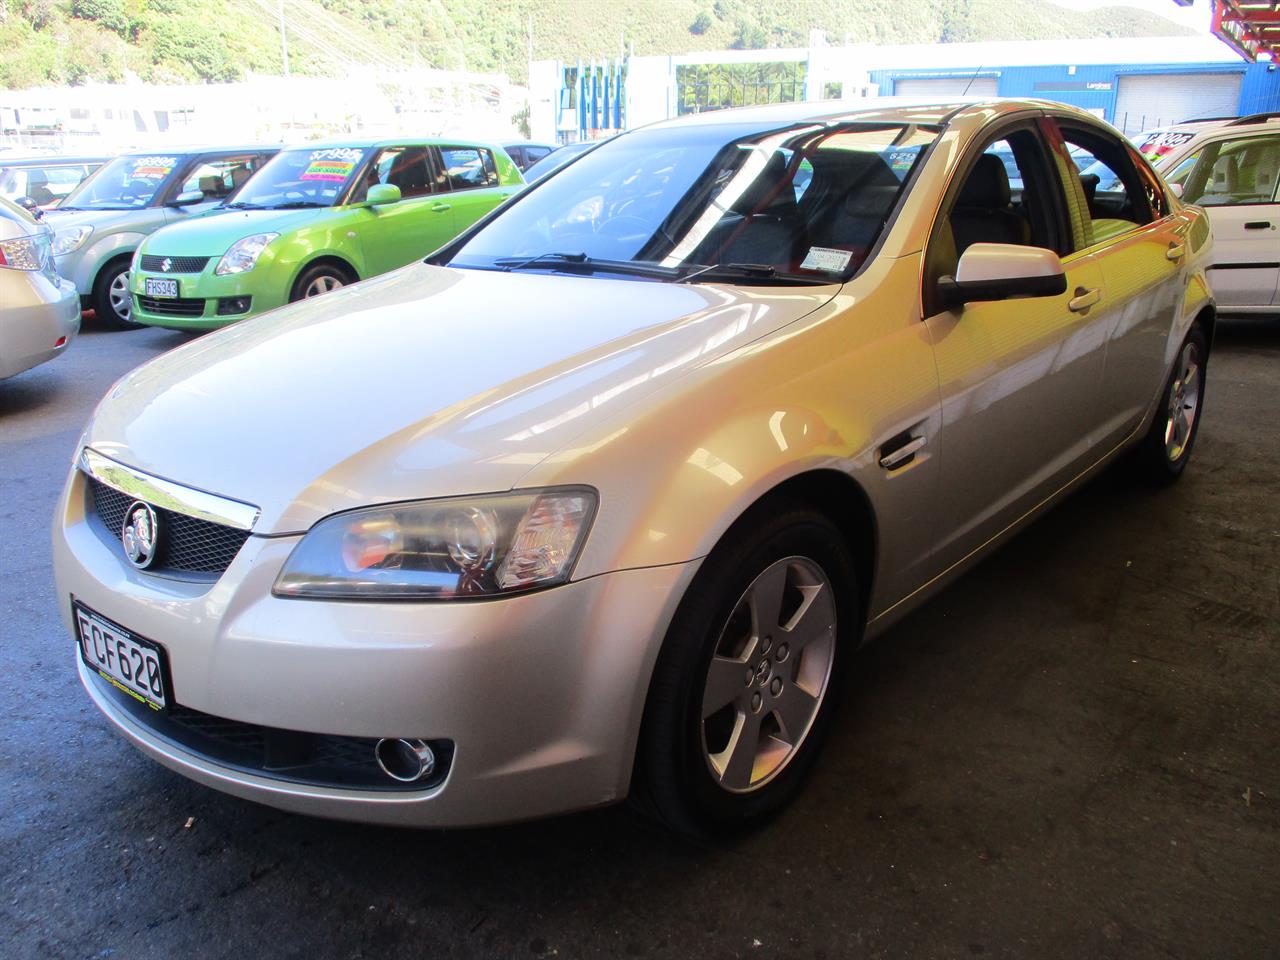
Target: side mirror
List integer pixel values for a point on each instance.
(381, 194)
(999, 271)
(1176, 190)
(187, 199)
(29, 205)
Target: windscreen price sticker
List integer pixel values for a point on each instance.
(1158, 144)
(152, 168)
(334, 171)
(826, 259)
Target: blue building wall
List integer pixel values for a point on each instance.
(1094, 86)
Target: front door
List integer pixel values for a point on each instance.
(470, 175)
(395, 234)
(1018, 378)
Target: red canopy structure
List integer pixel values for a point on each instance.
(1251, 28)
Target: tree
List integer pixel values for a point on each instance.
(701, 23)
(107, 13)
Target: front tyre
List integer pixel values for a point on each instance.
(748, 676)
(1164, 452)
(319, 279)
(112, 301)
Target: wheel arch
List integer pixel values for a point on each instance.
(841, 499)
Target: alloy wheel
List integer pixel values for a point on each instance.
(1184, 403)
(768, 675)
(321, 284)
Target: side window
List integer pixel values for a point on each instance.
(218, 178)
(518, 156)
(533, 154)
(1116, 197)
(466, 168)
(1234, 172)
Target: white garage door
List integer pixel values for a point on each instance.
(946, 87)
(1157, 100)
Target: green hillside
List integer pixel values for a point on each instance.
(76, 41)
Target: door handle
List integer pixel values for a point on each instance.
(900, 451)
(439, 207)
(1084, 299)
(1258, 225)
(1175, 251)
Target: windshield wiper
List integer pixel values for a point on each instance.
(298, 205)
(239, 205)
(581, 263)
(746, 271)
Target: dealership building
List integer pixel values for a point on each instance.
(1136, 86)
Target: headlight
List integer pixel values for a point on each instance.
(442, 549)
(243, 254)
(72, 238)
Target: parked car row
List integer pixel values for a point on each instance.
(598, 499)
(196, 238)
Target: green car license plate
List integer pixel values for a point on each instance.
(160, 287)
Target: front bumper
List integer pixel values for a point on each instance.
(541, 694)
(199, 296)
(40, 318)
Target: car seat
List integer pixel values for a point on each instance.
(984, 211)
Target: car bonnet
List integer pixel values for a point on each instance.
(425, 382)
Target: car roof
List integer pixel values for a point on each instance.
(1244, 124)
(189, 151)
(50, 159)
(925, 110)
(376, 143)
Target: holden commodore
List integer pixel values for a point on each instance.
(598, 500)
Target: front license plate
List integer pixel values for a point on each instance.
(125, 661)
(157, 287)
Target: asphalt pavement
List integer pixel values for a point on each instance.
(1072, 752)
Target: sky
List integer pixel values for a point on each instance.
(1196, 16)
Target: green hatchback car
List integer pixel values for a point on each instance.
(314, 219)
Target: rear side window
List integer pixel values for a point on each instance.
(1117, 198)
(466, 168)
(1230, 173)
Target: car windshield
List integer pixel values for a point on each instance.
(557, 159)
(302, 178)
(805, 203)
(126, 183)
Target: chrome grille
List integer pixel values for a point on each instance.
(155, 263)
(172, 307)
(188, 544)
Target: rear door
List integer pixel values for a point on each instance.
(1125, 225)
(1236, 180)
(1019, 379)
(469, 174)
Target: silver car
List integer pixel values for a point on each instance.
(39, 311)
(101, 223)
(598, 501)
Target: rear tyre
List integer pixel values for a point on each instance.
(320, 279)
(748, 676)
(112, 301)
(1164, 452)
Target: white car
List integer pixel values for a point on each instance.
(39, 311)
(1231, 168)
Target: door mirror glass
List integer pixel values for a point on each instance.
(187, 198)
(30, 205)
(1176, 190)
(1000, 271)
(381, 194)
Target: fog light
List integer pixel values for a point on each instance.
(232, 305)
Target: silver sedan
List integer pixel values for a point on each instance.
(598, 500)
(39, 311)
